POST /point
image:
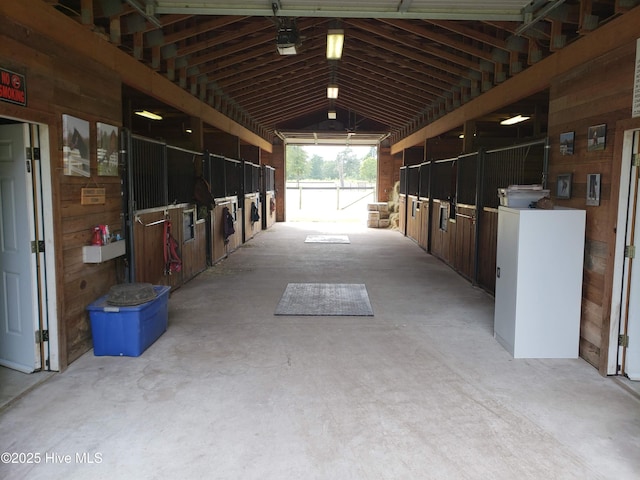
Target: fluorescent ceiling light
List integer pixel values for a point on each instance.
(513, 120)
(287, 50)
(335, 41)
(146, 114)
(332, 91)
(332, 115)
(188, 130)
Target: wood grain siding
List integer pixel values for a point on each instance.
(465, 247)
(402, 223)
(487, 244)
(271, 215)
(598, 92)
(251, 228)
(60, 82)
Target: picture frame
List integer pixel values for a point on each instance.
(564, 186)
(76, 146)
(596, 137)
(567, 140)
(593, 189)
(107, 149)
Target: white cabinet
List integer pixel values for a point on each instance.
(538, 296)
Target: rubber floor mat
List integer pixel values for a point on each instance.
(325, 299)
(327, 239)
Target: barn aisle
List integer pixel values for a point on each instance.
(419, 390)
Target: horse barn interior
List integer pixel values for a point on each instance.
(194, 197)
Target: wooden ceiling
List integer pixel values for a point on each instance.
(413, 63)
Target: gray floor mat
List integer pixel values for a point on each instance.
(327, 239)
(324, 299)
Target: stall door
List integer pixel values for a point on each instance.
(18, 315)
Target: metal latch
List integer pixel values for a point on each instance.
(623, 340)
(630, 251)
(37, 246)
(42, 336)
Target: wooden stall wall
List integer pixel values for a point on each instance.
(487, 245)
(402, 208)
(149, 245)
(413, 220)
(220, 249)
(251, 227)
(597, 93)
(422, 233)
(272, 206)
(85, 89)
(443, 231)
(465, 241)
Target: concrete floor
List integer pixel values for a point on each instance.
(419, 391)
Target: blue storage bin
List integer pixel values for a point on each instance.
(128, 331)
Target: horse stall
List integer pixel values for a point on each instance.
(414, 212)
(268, 193)
(402, 202)
(252, 203)
(517, 165)
(442, 193)
(225, 218)
(456, 204)
(166, 229)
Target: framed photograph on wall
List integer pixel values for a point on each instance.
(76, 146)
(107, 142)
(596, 137)
(566, 143)
(593, 189)
(564, 186)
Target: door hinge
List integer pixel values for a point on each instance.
(630, 251)
(42, 336)
(635, 160)
(623, 340)
(37, 246)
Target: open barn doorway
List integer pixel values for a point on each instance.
(328, 183)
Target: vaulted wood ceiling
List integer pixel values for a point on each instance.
(405, 63)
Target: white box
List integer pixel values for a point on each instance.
(539, 268)
(102, 253)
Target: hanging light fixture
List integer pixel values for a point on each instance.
(332, 91)
(332, 115)
(335, 42)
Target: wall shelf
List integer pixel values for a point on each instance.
(102, 253)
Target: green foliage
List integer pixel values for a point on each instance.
(368, 169)
(316, 171)
(346, 165)
(297, 163)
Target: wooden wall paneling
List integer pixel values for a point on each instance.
(402, 204)
(465, 241)
(423, 223)
(587, 96)
(218, 247)
(200, 257)
(251, 228)
(437, 235)
(487, 244)
(149, 247)
(412, 217)
(271, 215)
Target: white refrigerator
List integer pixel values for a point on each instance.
(538, 296)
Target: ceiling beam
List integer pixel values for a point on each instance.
(371, 11)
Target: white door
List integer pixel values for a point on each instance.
(630, 322)
(19, 317)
